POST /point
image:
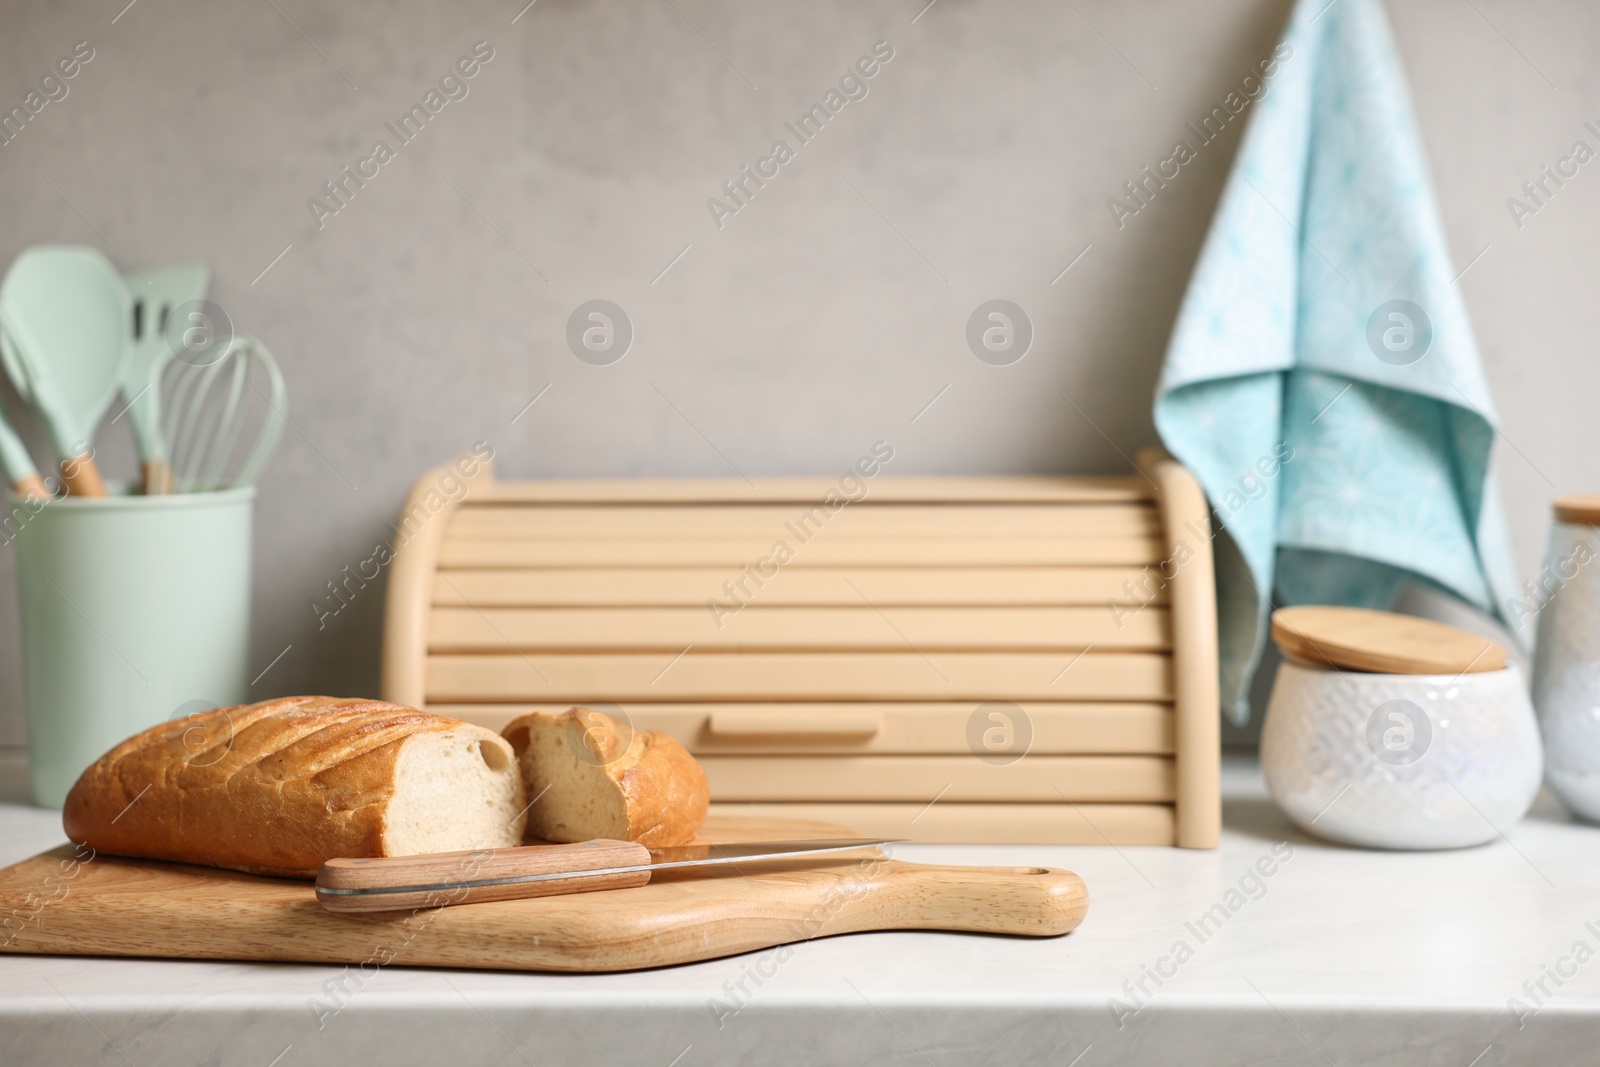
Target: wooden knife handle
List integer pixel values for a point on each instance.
(434, 880)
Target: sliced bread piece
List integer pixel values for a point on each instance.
(591, 776)
(280, 786)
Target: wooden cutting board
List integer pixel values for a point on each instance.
(58, 904)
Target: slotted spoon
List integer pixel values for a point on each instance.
(157, 296)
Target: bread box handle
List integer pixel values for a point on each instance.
(796, 722)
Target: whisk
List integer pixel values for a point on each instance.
(222, 417)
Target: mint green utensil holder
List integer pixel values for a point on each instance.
(135, 609)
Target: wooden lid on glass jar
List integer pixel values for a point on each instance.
(1382, 642)
(1580, 510)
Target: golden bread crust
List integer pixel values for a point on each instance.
(273, 788)
(663, 788)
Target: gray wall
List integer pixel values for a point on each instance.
(823, 316)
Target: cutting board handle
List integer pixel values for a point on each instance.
(1026, 901)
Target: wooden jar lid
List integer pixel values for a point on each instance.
(1382, 642)
(1582, 510)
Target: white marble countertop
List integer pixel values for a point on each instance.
(1337, 956)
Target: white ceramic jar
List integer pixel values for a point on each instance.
(1406, 761)
(1566, 666)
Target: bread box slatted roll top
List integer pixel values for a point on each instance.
(982, 659)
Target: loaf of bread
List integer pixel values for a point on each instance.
(589, 776)
(280, 786)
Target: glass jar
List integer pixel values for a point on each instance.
(1566, 664)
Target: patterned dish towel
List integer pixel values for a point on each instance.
(1322, 381)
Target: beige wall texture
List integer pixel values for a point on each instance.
(968, 157)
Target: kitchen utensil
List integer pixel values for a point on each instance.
(20, 473)
(157, 295)
(77, 478)
(65, 314)
(1398, 760)
(399, 883)
(1566, 662)
(108, 906)
(223, 416)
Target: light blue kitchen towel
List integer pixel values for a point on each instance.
(1322, 381)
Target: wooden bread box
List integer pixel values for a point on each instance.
(976, 659)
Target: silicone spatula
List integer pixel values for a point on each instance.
(65, 312)
(20, 472)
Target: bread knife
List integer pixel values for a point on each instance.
(404, 883)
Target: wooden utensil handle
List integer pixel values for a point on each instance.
(157, 478)
(82, 476)
(31, 487)
(433, 881)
